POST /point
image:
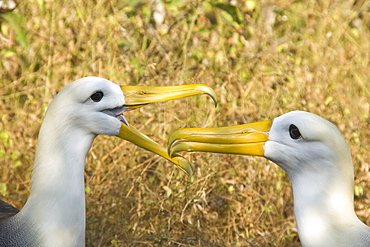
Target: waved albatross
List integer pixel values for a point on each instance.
(317, 160)
(54, 214)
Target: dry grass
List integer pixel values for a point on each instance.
(313, 56)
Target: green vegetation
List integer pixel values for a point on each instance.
(263, 58)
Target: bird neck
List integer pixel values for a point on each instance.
(56, 205)
(323, 206)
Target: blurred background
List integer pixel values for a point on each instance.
(263, 58)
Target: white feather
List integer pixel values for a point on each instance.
(320, 167)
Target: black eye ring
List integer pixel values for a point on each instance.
(294, 132)
(97, 96)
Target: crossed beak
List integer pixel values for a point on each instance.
(138, 96)
(246, 139)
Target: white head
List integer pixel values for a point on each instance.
(92, 105)
(304, 143)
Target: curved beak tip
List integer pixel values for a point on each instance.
(246, 139)
(186, 166)
(138, 96)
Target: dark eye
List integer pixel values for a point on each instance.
(294, 132)
(96, 97)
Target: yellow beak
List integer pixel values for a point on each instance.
(138, 96)
(246, 139)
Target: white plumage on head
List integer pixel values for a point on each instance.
(320, 168)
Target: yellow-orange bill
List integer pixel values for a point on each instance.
(247, 139)
(138, 96)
